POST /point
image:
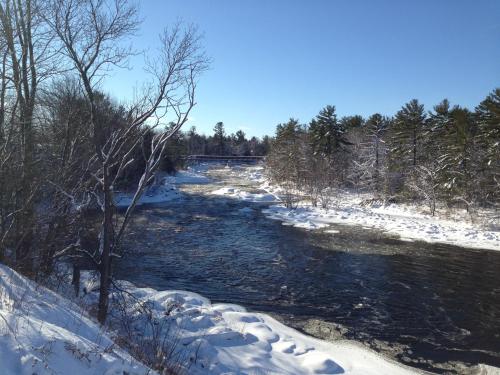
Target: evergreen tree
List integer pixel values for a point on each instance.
(488, 114)
(240, 137)
(240, 144)
(175, 150)
(450, 146)
(327, 135)
(220, 137)
(328, 141)
(488, 118)
(286, 158)
(352, 122)
(407, 133)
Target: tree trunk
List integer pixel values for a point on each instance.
(107, 231)
(76, 279)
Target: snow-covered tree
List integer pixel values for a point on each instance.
(450, 146)
(287, 156)
(488, 118)
(407, 134)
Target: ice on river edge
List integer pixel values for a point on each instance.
(409, 226)
(244, 195)
(43, 332)
(164, 191)
(405, 221)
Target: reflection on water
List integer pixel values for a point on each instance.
(426, 305)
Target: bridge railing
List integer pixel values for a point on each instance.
(251, 158)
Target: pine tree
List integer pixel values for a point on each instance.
(488, 118)
(285, 154)
(286, 158)
(488, 113)
(329, 143)
(220, 137)
(407, 133)
(352, 122)
(327, 135)
(450, 145)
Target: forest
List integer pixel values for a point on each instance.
(448, 157)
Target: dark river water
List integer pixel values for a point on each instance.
(435, 307)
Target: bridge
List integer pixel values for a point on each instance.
(222, 158)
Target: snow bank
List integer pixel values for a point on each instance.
(405, 221)
(154, 194)
(254, 173)
(401, 221)
(235, 193)
(226, 339)
(188, 176)
(43, 333)
(165, 191)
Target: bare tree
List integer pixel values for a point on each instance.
(424, 184)
(92, 33)
(67, 148)
(27, 60)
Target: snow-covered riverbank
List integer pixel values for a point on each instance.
(407, 222)
(44, 333)
(165, 190)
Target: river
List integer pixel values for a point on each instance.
(434, 307)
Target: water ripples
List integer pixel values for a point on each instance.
(426, 305)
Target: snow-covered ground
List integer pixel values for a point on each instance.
(245, 195)
(188, 176)
(408, 222)
(399, 220)
(154, 194)
(44, 333)
(166, 190)
(229, 340)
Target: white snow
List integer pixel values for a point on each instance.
(188, 176)
(406, 221)
(227, 339)
(44, 333)
(154, 194)
(392, 219)
(166, 190)
(243, 195)
(254, 173)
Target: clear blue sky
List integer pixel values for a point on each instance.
(276, 59)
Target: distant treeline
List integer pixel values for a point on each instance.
(219, 143)
(448, 155)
